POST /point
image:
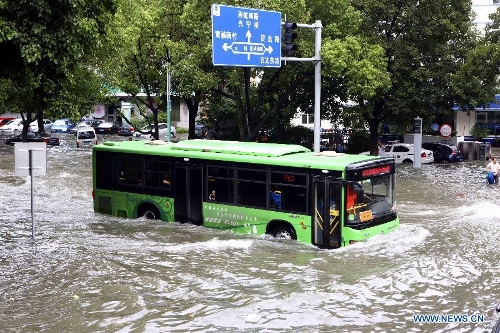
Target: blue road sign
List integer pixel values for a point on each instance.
(245, 37)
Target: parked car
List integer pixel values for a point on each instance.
(47, 125)
(107, 127)
(404, 153)
(13, 126)
(5, 120)
(163, 130)
(33, 137)
(95, 123)
(87, 123)
(444, 152)
(126, 130)
(84, 123)
(62, 125)
(85, 137)
(200, 132)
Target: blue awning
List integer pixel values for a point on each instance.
(491, 106)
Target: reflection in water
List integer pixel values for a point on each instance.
(87, 272)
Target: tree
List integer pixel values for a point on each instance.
(46, 46)
(476, 81)
(423, 43)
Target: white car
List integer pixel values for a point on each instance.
(47, 125)
(404, 153)
(13, 126)
(85, 137)
(162, 131)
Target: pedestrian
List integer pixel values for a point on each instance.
(494, 168)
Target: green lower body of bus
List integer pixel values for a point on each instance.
(243, 220)
(350, 235)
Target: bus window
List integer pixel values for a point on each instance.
(252, 194)
(292, 187)
(156, 175)
(293, 199)
(221, 180)
(130, 176)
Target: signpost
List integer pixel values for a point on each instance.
(30, 159)
(245, 37)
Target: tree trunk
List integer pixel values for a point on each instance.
(193, 113)
(373, 123)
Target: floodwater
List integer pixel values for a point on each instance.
(86, 272)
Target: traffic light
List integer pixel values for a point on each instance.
(417, 126)
(290, 36)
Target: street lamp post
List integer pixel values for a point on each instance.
(169, 101)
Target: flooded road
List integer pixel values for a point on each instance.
(87, 272)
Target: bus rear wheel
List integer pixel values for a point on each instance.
(283, 231)
(150, 212)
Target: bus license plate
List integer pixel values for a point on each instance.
(365, 216)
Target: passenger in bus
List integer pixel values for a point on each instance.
(122, 175)
(212, 196)
(166, 179)
(275, 199)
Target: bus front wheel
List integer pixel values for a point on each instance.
(150, 212)
(283, 231)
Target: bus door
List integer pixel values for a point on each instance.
(188, 194)
(327, 220)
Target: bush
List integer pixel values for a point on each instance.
(479, 132)
(359, 141)
(298, 135)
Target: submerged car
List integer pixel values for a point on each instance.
(85, 137)
(47, 125)
(13, 126)
(163, 131)
(404, 153)
(126, 130)
(443, 152)
(200, 132)
(33, 137)
(107, 127)
(5, 120)
(62, 125)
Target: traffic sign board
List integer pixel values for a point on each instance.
(245, 37)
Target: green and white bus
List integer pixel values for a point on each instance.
(248, 187)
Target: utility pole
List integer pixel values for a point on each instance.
(317, 26)
(169, 101)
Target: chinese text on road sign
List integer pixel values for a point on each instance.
(245, 37)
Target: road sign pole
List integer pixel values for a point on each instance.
(317, 26)
(317, 88)
(30, 152)
(169, 108)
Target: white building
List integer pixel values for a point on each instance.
(179, 113)
(488, 117)
(483, 8)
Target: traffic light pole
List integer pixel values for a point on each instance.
(317, 26)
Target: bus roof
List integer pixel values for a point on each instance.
(236, 151)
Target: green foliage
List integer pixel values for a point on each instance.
(48, 51)
(479, 132)
(362, 66)
(359, 141)
(298, 135)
